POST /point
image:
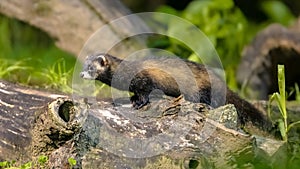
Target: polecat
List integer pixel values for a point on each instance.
(173, 77)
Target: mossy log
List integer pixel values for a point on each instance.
(274, 45)
(102, 134)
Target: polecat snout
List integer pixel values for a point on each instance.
(173, 77)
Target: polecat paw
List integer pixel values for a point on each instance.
(139, 101)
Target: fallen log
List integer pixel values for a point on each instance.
(106, 135)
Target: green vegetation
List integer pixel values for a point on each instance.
(40, 163)
(297, 93)
(292, 156)
(280, 98)
(7, 164)
(9, 68)
(281, 101)
(72, 162)
(29, 56)
(58, 76)
(278, 12)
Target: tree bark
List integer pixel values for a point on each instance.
(17, 108)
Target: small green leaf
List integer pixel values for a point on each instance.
(292, 125)
(275, 96)
(26, 165)
(72, 161)
(167, 9)
(4, 164)
(42, 159)
(281, 81)
(193, 57)
(297, 92)
(282, 129)
(278, 12)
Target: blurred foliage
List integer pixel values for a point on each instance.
(226, 27)
(277, 11)
(29, 56)
(58, 76)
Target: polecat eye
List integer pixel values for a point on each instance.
(102, 62)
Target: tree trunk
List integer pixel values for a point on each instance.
(71, 23)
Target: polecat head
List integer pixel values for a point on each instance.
(95, 67)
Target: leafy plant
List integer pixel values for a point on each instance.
(58, 77)
(42, 160)
(72, 162)
(9, 68)
(281, 102)
(25, 52)
(7, 164)
(39, 163)
(26, 166)
(225, 26)
(11, 165)
(219, 20)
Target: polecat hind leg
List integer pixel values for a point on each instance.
(138, 101)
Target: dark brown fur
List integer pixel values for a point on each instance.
(173, 77)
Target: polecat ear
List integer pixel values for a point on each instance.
(103, 60)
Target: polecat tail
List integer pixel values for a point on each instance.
(248, 113)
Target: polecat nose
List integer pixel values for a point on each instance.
(81, 74)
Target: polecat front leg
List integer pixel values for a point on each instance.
(139, 100)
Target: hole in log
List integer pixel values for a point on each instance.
(65, 110)
(193, 164)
